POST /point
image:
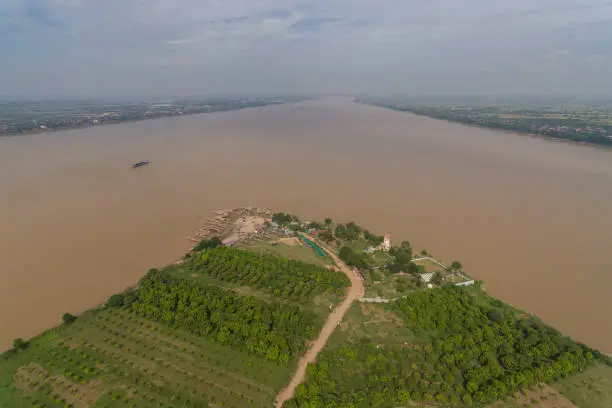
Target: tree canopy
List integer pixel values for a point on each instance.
(286, 279)
(273, 330)
(471, 355)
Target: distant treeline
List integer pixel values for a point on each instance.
(95, 115)
(573, 129)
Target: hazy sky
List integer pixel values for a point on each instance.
(152, 47)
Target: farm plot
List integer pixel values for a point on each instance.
(285, 279)
(428, 266)
(112, 358)
(296, 251)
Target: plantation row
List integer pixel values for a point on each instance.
(477, 355)
(287, 279)
(182, 346)
(164, 353)
(275, 331)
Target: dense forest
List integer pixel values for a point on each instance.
(471, 353)
(284, 278)
(276, 331)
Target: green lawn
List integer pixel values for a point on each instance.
(296, 252)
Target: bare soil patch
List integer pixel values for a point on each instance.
(291, 241)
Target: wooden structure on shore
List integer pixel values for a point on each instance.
(223, 223)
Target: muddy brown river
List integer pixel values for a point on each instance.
(530, 217)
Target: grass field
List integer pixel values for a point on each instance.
(428, 266)
(296, 252)
(111, 358)
(375, 259)
(372, 321)
(392, 286)
(590, 389)
(543, 397)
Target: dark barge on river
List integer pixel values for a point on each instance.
(140, 164)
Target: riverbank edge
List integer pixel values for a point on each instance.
(509, 132)
(478, 282)
(88, 126)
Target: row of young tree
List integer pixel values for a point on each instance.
(473, 356)
(286, 279)
(278, 332)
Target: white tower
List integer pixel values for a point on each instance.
(386, 245)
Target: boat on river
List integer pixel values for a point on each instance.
(140, 164)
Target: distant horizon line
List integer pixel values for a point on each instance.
(157, 97)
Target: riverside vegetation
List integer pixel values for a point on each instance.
(461, 349)
(185, 336)
(225, 327)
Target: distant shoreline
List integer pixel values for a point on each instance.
(514, 132)
(39, 131)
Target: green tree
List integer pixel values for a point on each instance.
(116, 300)
(68, 318)
(207, 243)
(351, 258)
(20, 344)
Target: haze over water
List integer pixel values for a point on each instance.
(528, 216)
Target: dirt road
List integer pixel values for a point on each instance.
(334, 319)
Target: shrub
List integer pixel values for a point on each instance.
(115, 301)
(68, 318)
(20, 344)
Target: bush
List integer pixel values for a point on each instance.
(351, 258)
(116, 301)
(20, 344)
(207, 243)
(68, 318)
(123, 299)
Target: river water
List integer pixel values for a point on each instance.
(530, 217)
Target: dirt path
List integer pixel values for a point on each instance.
(334, 319)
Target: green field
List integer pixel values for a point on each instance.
(113, 358)
(591, 388)
(297, 252)
(374, 322)
(428, 266)
(392, 286)
(450, 347)
(224, 328)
